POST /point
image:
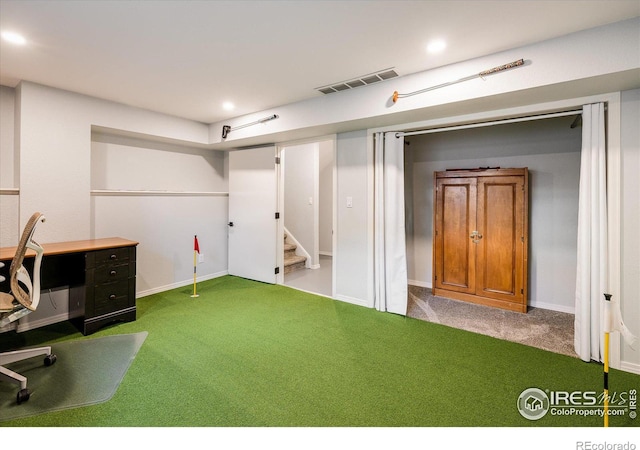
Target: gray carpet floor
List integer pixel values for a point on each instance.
(541, 328)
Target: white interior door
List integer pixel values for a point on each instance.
(252, 206)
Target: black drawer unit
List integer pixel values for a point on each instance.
(108, 293)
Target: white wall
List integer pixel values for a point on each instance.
(57, 174)
(353, 259)
(551, 151)
(326, 197)
(8, 160)
(119, 162)
(55, 152)
(308, 174)
(301, 197)
(9, 175)
(630, 264)
(187, 197)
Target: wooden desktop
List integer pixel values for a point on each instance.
(100, 274)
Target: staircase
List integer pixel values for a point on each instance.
(292, 262)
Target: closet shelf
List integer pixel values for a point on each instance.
(157, 193)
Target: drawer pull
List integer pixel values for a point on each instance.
(114, 256)
(112, 297)
(113, 272)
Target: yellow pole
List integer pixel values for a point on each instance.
(195, 256)
(607, 325)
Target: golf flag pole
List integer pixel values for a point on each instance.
(612, 322)
(196, 250)
(607, 326)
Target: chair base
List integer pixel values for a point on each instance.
(20, 355)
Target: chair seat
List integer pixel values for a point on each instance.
(6, 302)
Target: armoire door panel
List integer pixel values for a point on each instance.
(499, 258)
(456, 219)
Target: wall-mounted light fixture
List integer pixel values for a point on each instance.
(226, 129)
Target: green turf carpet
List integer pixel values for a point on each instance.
(87, 372)
(248, 354)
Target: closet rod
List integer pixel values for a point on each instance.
(494, 122)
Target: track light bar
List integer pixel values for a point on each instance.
(226, 129)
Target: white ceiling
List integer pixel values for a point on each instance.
(186, 58)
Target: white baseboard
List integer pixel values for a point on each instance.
(30, 325)
(424, 284)
(180, 284)
(630, 367)
(314, 266)
(355, 301)
(553, 307)
(9, 327)
(308, 292)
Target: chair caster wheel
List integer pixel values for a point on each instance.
(23, 395)
(50, 359)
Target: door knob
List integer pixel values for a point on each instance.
(475, 236)
(230, 224)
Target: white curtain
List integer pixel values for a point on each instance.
(389, 229)
(592, 275)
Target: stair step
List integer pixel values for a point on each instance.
(294, 267)
(293, 259)
(293, 263)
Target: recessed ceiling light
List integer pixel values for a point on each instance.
(436, 46)
(228, 106)
(14, 38)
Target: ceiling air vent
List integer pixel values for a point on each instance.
(364, 80)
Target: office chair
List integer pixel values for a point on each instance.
(22, 302)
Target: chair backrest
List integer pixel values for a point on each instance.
(19, 276)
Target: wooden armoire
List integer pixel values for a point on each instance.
(480, 236)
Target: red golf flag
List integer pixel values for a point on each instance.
(196, 249)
